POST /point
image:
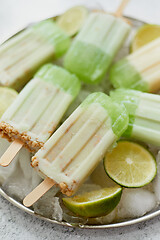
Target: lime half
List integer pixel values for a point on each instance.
(72, 20)
(130, 164)
(7, 96)
(144, 35)
(95, 203)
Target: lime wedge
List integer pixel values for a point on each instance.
(94, 203)
(130, 164)
(72, 20)
(144, 35)
(7, 96)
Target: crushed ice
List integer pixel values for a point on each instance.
(19, 178)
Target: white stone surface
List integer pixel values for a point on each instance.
(15, 14)
(15, 224)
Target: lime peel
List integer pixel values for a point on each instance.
(72, 20)
(144, 35)
(95, 203)
(124, 166)
(7, 96)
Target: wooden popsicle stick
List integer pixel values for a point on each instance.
(120, 9)
(38, 192)
(11, 152)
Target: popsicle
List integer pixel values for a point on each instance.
(23, 54)
(139, 70)
(75, 149)
(38, 109)
(144, 114)
(96, 45)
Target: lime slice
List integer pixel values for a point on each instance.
(130, 164)
(144, 35)
(7, 96)
(72, 20)
(94, 203)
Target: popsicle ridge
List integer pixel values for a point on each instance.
(39, 107)
(22, 55)
(74, 150)
(139, 70)
(94, 47)
(50, 32)
(144, 114)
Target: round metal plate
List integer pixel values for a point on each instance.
(153, 213)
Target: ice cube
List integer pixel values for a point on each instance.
(49, 206)
(23, 179)
(71, 218)
(156, 181)
(6, 172)
(29, 173)
(104, 219)
(135, 203)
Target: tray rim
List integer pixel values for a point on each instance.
(146, 217)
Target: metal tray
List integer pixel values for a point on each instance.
(149, 215)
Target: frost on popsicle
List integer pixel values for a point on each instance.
(95, 46)
(23, 54)
(144, 114)
(140, 70)
(39, 107)
(75, 149)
